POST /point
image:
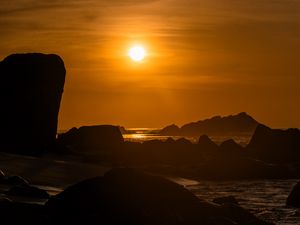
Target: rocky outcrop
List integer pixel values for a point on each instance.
(170, 130)
(294, 197)
(183, 142)
(30, 95)
(241, 123)
(92, 138)
(206, 144)
(230, 146)
(275, 145)
(127, 196)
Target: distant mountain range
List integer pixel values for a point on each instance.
(237, 124)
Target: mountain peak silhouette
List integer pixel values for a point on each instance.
(217, 125)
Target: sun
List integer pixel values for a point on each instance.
(137, 53)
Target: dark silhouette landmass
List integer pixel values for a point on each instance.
(228, 125)
(30, 95)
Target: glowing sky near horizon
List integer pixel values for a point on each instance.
(204, 57)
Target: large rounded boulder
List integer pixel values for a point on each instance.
(127, 196)
(30, 95)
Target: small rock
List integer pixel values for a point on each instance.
(28, 191)
(13, 180)
(2, 175)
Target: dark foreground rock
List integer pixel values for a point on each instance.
(127, 196)
(294, 197)
(30, 95)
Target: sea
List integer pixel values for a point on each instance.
(147, 134)
(265, 198)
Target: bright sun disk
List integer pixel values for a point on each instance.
(137, 53)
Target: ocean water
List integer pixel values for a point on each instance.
(147, 134)
(265, 198)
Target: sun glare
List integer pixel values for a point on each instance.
(137, 53)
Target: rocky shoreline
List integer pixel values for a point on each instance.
(123, 196)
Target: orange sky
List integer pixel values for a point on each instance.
(205, 57)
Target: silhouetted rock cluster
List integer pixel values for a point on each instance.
(228, 125)
(180, 157)
(266, 156)
(30, 95)
(127, 196)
